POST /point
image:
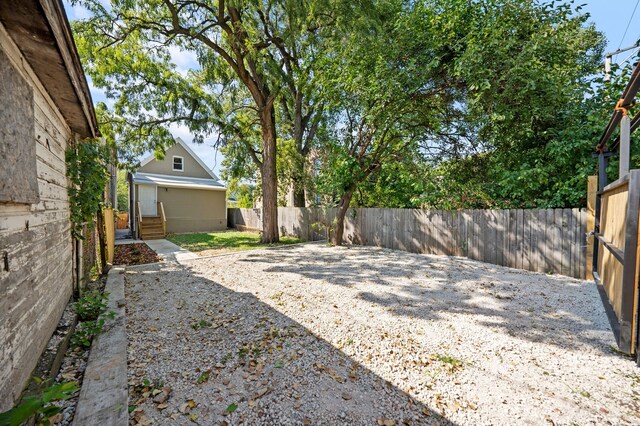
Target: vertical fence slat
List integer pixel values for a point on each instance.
(533, 240)
(500, 235)
(489, 242)
(476, 232)
(519, 235)
(523, 233)
(573, 247)
(577, 243)
(540, 240)
(566, 242)
(557, 241)
(584, 214)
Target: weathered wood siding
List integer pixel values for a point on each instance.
(36, 272)
(542, 240)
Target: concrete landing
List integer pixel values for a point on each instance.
(104, 396)
(127, 241)
(170, 252)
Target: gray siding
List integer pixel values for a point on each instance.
(37, 241)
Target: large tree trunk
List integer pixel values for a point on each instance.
(343, 207)
(298, 190)
(270, 232)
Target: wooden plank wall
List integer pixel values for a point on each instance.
(37, 280)
(612, 227)
(542, 240)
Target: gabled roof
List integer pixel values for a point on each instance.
(177, 181)
(41, 31)
(182, 143)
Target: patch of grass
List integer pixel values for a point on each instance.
(225, 241)
(452, 363)
(585, 394)
(617, 351)
(197, 325)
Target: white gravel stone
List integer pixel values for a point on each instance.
(416, 339)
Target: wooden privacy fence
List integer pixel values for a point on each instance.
(542, 240)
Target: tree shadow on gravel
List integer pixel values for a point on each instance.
(241, 361)
(531, 306)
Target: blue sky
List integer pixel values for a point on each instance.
(610, 16)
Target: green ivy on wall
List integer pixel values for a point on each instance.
(87, 169)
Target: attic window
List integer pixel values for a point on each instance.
(178, 163)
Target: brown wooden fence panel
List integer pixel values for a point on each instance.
(542, 240)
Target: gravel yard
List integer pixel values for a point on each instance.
(312, 334)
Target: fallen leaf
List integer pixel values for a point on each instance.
(232, 407)
(160, 398)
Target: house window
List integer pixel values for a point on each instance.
(178, 163)
(18, 176)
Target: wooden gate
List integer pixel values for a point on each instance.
(616, 268)
(615, 253)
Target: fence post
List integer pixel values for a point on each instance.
(110, 233)
(592, 189)
(625, 142)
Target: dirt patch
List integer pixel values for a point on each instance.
(134, 254)
(320, 335)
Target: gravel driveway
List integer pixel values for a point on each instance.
(311, 334)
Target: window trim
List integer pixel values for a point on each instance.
(173, 163)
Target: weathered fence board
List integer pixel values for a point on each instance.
(542, 240)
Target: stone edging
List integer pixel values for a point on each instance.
(104, 394)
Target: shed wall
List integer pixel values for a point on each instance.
(193, 210)
(38, 245)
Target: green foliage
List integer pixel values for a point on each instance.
(197, 325)
(513, 106)
(92, 312)
(91, 305)
(396, 184)
(86, 331)
(243, 193)
(38, 404)
(122, 192)
(225, 241)
(440, 104)
(87, 170)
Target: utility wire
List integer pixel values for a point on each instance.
(629, 23)
(630, 56)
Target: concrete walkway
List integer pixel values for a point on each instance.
(170, 252)
(104, 395)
